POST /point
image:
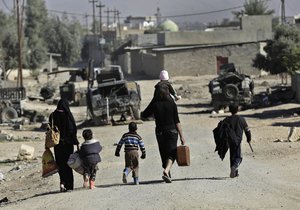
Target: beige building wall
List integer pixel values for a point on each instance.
(253, 29)
(201, 61)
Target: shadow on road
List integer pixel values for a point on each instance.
(151, 182)
(287, 124)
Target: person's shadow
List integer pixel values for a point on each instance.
(150, 182)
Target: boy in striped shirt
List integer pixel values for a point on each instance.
(132, 142)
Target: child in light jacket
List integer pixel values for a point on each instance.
(89, 153)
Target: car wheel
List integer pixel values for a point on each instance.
(230, 91)
(8, 114)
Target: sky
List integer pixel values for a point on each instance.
(203, 10)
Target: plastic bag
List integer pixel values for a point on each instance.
(49, 165)
(75, 163)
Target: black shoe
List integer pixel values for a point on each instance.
(166, 178)
(233, 172)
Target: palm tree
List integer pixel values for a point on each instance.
(254, 7)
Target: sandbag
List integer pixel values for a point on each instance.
(75, 163)
(49, 165)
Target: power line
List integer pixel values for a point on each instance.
(204, 13)
(6, 6)
(167, 16)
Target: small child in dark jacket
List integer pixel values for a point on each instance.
(132, 143)
(89, 153)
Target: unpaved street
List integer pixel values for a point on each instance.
(269, 177)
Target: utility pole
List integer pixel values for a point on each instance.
(94, 19)
(101, 40)
(107, 19)
(282, 12)
(20, 39)
(100, 6)
(283, 75)
(86, 23)
(119, 25)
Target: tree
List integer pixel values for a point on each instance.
(283, 52)
(254, 7)
(36, 22)
(10, 51)
(64, 37)
(9, 42)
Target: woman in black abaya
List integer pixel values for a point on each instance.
(64, 120)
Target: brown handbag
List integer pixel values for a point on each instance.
(52, 135)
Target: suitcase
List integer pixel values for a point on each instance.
(183, 155)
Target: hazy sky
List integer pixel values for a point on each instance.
(167, 7)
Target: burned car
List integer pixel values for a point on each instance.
(113, 95)
(231, 87)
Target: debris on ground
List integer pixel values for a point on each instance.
(26, 152)
(294, 134)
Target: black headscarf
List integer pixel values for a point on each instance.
(63, 104)
(66, 124)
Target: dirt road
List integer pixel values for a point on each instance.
(269, 177)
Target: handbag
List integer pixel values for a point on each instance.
(75, 163)
(52, 135)
(49, 165)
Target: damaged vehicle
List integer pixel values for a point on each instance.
(10, 103)
(231, 87)
(112, 95)
(74, 89)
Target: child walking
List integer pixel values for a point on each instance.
(89, 153)
(132, 143)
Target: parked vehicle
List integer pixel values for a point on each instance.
(113, 95)
(231, 87)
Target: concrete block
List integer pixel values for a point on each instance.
(294, 134)
(26, 152)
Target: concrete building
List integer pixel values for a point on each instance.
(198, 53)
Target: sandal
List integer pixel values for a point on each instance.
(166, 178)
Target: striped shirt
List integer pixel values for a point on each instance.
(132, 141)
